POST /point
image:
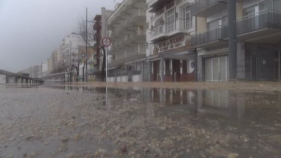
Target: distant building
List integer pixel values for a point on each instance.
(44, 66)
(34, 71)
(50, 65)
(56, 61)
(127, 26)
(69, 47)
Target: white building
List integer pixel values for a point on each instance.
(258, 39)
(69, 46)
(128, 34)
(44, 66)
(170, 27)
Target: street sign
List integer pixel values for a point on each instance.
(106, 42)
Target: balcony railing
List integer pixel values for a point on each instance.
(170, 28)
(251, 24)
(262, 20)
(200, 5)
(209, 36)
(139, 13)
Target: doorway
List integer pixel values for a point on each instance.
(176, 70)
(155, 73)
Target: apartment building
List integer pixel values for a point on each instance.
(56, 61)
(50, 65)
(69, 47)
(258, 39)
(44, 66)
(170, 54)
(33, 71)
(127, 25)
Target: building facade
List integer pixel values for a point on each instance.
(44, 66)
(57, 62)
(127, 25)
(188, 40)
(170, 54)
(33, 71)
(258, 36)
(69, 48)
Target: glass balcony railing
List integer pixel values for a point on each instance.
(259, 21)
(171, 28)
(209, 36)
(252, 24)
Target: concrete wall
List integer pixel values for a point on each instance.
(111, 79)
(119, 78)
(19, 80)
(201, 24)
(11, 79)
(136, 78)
(2, 79)
(124, 79)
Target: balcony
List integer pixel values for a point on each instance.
(256, 26)
(263, 23)
(171, 29)
(207, 7)
(210, 37)
(139, 17)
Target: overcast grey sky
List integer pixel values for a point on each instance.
(31, 29)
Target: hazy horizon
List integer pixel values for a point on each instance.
(31, 30)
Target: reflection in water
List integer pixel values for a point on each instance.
(247, 123)
(210, 103)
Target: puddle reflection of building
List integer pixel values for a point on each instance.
(218, 102)
(221, 102)
(173, 97)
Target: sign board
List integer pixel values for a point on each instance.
(192, 64)
(106, 42)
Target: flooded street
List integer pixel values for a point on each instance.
(74, 122)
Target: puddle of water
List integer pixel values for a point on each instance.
(223, 103)
(248, 123)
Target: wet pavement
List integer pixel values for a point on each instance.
(65, 121)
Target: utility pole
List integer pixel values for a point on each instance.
(232, 40)
(86, 45)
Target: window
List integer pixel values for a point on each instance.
(170, 21)
(224, 20)
(213, 24)
(249, 11)
(187, 18)
(267, 5)
(250, 21)
(277, 5)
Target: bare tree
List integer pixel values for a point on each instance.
(93, 36)
(59, 68)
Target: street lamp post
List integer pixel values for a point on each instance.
(86, 44)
